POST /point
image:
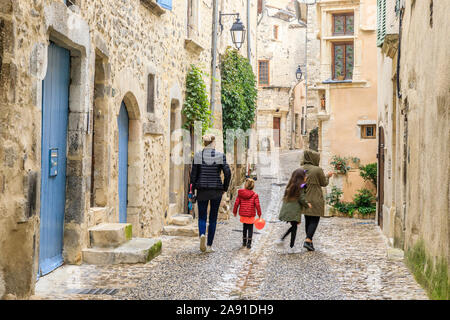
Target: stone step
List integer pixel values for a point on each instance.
(181, 220)
(137, 250)
(110, 235)
(190, 230)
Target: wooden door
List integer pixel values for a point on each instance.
(276, 132)
(380, 176)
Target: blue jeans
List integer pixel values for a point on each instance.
(203, 215)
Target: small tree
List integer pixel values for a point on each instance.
(196, 104)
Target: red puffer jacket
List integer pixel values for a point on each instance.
(248, 202)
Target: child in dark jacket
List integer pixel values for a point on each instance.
(247, 202)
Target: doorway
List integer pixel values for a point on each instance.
(55, 111)
(276, 132)
(123, 124)
(380, 176)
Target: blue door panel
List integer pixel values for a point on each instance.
(55, 109)
(123, 123)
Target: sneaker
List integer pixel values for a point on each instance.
(279, 242)
(291, 251)
(202, 243)
(309, 246)
(209, 249)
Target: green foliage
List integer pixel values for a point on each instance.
(364, 202)
(239, 91)
(196, 104)
(340, 164)
(334, 197)
(431, 273)
(369, 173)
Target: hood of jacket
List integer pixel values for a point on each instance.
(311, 157)
(245, 193)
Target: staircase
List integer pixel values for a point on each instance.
(112, 243)
(182, 225)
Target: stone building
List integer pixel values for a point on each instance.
(342, 86)
(91, 99)
(281, 38)
(413, 136)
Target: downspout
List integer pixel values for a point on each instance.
(399, 93)
(214, 58)
(249, 34)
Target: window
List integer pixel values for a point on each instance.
(166, 4)
(263, 72)
(151, 94)
(343, 58)
(368, 132)
(275, 32)
(343, 24)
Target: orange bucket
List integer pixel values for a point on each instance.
(260, 223)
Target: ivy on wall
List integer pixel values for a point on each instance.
(196, 104)
(239, 91)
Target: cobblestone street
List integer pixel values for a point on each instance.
(350, 262)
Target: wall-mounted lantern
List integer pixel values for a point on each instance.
(237, 30)
(299, 73)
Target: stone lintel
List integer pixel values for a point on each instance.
(193, 46)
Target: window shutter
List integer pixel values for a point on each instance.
(260, 5)
(166, 4)
(381, 22)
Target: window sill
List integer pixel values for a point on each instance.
(152, 128)
(154, 7)
(339, 38)
(193, 46)
(348, 83)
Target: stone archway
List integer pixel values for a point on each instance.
(135, 167)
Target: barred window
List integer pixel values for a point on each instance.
(263, 72)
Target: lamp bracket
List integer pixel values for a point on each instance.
(225, 14)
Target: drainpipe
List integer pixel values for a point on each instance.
(249, 34)
(214, 57)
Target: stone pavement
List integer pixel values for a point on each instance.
(351, 262)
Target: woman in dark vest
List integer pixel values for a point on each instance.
(207, 166)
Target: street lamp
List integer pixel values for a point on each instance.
(299, 73)
(237, 30)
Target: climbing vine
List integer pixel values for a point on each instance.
(239, 91)
(196, 104)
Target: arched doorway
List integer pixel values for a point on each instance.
(123, 125)
(380, 175)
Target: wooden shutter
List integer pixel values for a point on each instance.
(381, 22)
(166, 4)
(260, 5)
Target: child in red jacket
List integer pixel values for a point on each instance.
(248, 203)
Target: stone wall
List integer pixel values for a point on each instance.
(425, 102)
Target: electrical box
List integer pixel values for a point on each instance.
(53, 162)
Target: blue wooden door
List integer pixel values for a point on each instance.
(123, 163)
(55, 109)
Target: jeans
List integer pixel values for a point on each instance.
(203, 215)
(293, 231)
(311, 224)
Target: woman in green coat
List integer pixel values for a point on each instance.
(315, 179)
(293, 202)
